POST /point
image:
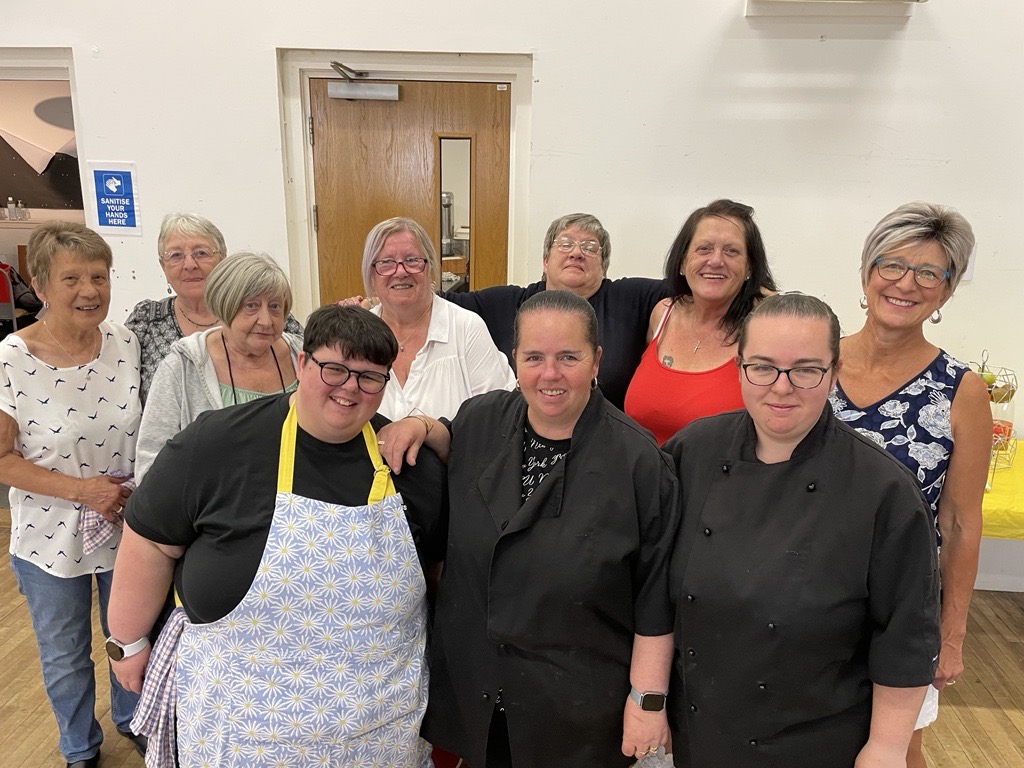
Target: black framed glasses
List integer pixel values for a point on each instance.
(587, 247)
(336, 374)
(387, 267)
(927, 275)
(199, 255)
(803, 377)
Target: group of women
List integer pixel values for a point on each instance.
(763, 586)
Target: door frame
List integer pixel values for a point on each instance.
(295, 69)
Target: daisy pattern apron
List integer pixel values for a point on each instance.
(322, 663)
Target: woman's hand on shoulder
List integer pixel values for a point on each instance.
(354, 301)
(400, 442)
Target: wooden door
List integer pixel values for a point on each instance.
(376, 159)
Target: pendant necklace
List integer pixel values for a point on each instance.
(231, 375)
(197, 325)
(416, 327)
(703, 338)
(62, 349)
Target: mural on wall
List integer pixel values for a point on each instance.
(38, 153)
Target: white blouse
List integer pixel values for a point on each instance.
(457, 361)
(81, 421)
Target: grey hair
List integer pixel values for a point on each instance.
(916, 223)
(52, 237)
(793, 304)
(567, 303)
(241, 276)
(588, 223)
(378, 236)
(189, 225)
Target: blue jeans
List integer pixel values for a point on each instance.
(61, 611)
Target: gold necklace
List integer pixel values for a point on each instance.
(62, 349)
(703, 338)
(416, 324)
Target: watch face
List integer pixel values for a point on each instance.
(114, 651)
(652, 702)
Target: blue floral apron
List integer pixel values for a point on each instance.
(322, 663)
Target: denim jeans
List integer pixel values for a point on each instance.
(61, 611)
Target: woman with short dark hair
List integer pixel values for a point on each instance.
(299, 563)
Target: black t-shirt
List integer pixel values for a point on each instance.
(623, 308)
(540, 455)
(212, 489)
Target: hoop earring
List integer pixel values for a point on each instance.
(593, 383)
(863, 302)
(936, 317)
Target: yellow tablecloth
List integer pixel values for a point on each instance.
(1003, 506)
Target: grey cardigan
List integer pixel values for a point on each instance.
(184, 386)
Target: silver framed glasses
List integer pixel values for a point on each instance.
(587, 247)
(387, 267)
(336, 374)
(199, 255)
(926, 275)
(802, 377)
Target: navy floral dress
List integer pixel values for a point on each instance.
(913, 423)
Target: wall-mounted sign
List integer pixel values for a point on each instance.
(116, 193)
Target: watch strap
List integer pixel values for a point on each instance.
(638, 699)
(130, 649)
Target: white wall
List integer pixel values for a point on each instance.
(640, 113)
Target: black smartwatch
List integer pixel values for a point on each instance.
(118, 651)
(649, 701)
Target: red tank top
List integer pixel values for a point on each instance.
(665, 400)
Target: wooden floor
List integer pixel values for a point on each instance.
(980, 725)
(28, 732)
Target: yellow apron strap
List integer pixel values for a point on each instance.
(286, 458)
(382, 483)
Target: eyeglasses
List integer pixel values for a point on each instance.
(804, 377)
(587, 247)
(336, 374)
(199, 255)
(387, 267)
(926, 275)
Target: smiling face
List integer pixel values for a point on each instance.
(783, 414)
(334, 414)
(574, 271)
(903, 304)
(715, 266)
(555, 365)
(188, 278)
(257, 324)
(78, 291)
(403, 289)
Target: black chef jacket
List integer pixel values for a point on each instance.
(539, 601)
(798, 585)
(623, 309)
